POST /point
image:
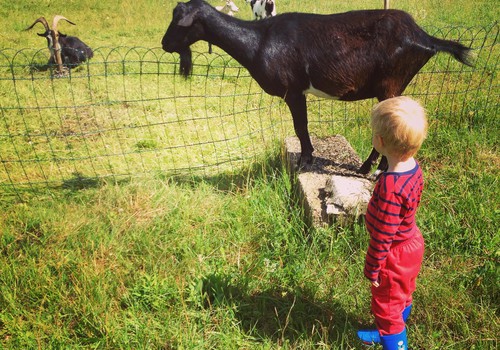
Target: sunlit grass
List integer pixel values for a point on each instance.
(153, 212)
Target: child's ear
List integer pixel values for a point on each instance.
(380, 139)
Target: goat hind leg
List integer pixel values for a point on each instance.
(368, 163)
(388, 90)
(382, 167)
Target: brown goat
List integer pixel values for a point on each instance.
(348, 56)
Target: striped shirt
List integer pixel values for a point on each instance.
(390, 217)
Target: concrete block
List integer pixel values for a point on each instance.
(347, 195)
(329, 189)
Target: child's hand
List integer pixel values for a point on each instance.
(375, 284)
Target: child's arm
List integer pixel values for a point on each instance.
(383, 219)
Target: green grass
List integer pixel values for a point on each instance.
(227, 263)
(142, 23)
(222, 259)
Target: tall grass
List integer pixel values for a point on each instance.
(225, 260)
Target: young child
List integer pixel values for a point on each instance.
(396, 246)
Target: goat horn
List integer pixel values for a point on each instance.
(40, 20)
(57, 46)
(56, 20)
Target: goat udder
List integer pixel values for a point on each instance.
(312, 90)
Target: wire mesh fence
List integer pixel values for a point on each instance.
(129, 112)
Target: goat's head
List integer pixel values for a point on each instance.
(52, 35)
(184, 30)
(47, 34)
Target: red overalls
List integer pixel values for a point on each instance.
(397, 284)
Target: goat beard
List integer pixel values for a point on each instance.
(186, 63)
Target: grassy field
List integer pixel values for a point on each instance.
(224, 260)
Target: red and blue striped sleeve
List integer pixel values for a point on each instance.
(384, 216)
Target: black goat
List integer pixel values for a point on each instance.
(72, 50)
(349, 56)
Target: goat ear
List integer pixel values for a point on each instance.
(187, 20)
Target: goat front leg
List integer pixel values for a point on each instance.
(298, 108)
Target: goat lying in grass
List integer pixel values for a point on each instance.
(65, 50)
(348, 56)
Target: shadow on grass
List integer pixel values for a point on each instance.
(80, 182)
(240, 178)
(279, 315)
(77, 182)
(225, 181)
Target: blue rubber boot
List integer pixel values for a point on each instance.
(395, 341)
(371, 336)
(407, 312)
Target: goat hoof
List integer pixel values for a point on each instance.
(304, 161)
(376, 174)
(364, 169)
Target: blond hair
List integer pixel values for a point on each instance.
(402, 124)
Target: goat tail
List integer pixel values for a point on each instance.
(461, 53)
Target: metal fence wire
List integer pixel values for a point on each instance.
(128, 112)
